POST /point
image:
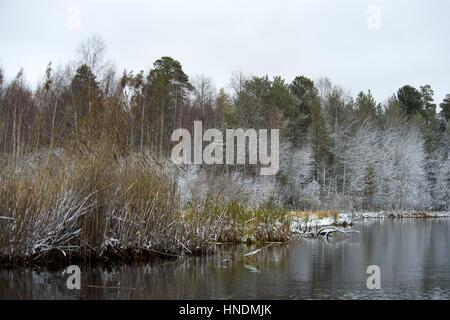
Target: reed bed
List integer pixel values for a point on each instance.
(232, 221)
(89, 207)
(97, 206)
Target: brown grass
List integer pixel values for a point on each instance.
(87, 207)
(308, 215)
(93, 204)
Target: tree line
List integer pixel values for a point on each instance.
(337, 150)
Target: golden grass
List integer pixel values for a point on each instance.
(86, 208)
(308, 215)
(96, 205)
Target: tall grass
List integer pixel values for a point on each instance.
(226, 220)
(86, 207)
(58, 206)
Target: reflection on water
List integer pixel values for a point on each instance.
(413, 255)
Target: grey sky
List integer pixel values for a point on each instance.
(288, 38)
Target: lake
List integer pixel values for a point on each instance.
(413, 256)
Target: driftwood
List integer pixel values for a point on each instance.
(325, 232)
(250, 254)
(255, 252)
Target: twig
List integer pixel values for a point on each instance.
(259, 250)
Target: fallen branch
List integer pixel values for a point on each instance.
(326, 231)
(250, 254)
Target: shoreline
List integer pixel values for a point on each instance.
(308, 222)
(303, 224)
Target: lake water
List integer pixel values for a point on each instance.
(413, 255)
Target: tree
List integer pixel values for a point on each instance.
(92, 52)
(84, 90)
(362, 173)
(225, 115)
(18, 117)
(237, 82)
(441, 192)
(299, 114)
(337, 109)
(401, 162)
(252, 103)
(203, 104)
(369, 187)
(410, 100)
(282, 100)
(260, 101)
(320, 142)
(429, 108)
(296, 173)
(366, 107)
(445, 107)
(336, 151)
(133, 99)
(393, 112)
(166, 90)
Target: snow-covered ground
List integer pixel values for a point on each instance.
(314, 222)
(398, 215)
(305, 223)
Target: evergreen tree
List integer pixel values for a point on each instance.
(165, 93)
(299, 114)
(253, 103)
(365, 107)
(410, 100)
(429, 108)
(84, 90)
(445, 106)
(320, 141)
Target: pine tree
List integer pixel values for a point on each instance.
(299, 113)
(445, 106)
(165, 93)
(84, 89)
(429, 108)
(410, 100)
(365, 107)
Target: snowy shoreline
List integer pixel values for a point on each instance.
(344, 219)
(358, 216)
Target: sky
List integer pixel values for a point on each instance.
(358, 44)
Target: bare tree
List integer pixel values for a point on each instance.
(92, 52)
(237, 82)
(205, 93)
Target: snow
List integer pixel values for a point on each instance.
(301, 225)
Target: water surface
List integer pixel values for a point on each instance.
(413, 255)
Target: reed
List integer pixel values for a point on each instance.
(228, 220)
(86, 206)
(95, 205)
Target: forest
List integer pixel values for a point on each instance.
(85, 153)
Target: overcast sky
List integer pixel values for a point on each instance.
(359, 44)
